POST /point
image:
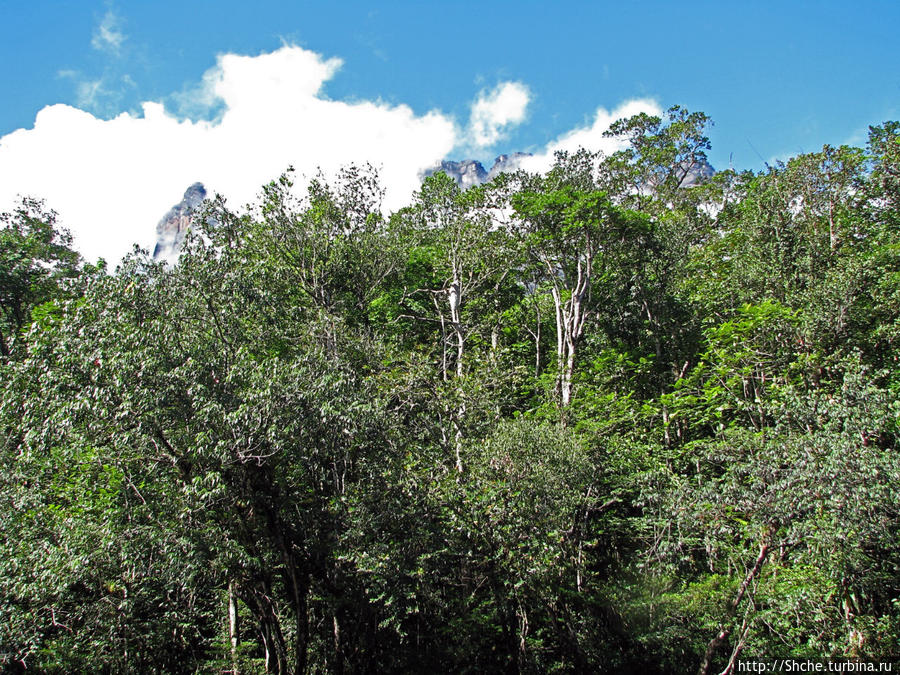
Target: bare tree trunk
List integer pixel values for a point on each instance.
(454, 299)
(567, 374)
(338, 650)
(268, 653)
(302, 643)
(570, 320)
(233, 628)
(443, 339)
(458, 437)
(560, 340)
(297, 582)
(273, 638)
(537, 341)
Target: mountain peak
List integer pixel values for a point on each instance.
(469, 172)
(174, 225)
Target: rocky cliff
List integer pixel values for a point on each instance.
(466, 173)
(469, 172)
(171, 229)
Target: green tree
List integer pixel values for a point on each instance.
(587, 250)
(662, 156)
(36, 259)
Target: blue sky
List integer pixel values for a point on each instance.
(403, 81)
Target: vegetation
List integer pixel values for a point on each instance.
(604, 419)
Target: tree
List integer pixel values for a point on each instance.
(780, 542)
(198, 385)
(587, 250)
(321, 440)
(36, 260)
(663, 155)
(470, 265)
(101, 563)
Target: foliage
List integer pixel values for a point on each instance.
(623, 416)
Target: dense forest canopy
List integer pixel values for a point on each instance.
(602, 419)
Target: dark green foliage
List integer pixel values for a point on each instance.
(606, 419)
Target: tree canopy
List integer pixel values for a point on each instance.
(624, 416)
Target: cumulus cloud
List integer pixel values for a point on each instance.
(111, 180)
(590, 137)
(494, 111)
(251, 117)
(108, 36)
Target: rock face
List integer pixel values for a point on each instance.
(466, 173)
(469, 172)
(171, 229)
(699, 173)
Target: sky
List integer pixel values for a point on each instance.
(109, 110)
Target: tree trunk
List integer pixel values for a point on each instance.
(458, 436)
(455, 300)
(537, 342)
(338, 667)
(437, 307)
(233, 628)
(568, 373)
(297, 583)
(273, 638)
(302, 643)
(560, 340)
(570, 320)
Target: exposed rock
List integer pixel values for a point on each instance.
(466, 173)
(469, 172)
(507, 164)
(699, 173)
(171, 229)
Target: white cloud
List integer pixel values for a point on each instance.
(87, 92)
(493, 112)
(108, 37)
(590, 137)
(111, 180)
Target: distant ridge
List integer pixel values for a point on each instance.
(469, 172)
(172, 228)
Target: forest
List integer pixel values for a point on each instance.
(604, 419)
